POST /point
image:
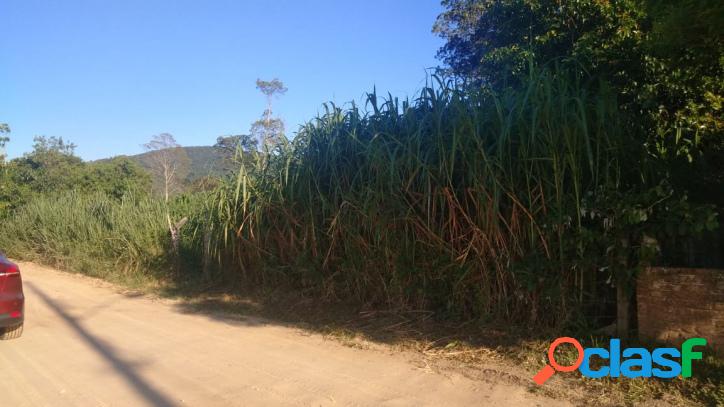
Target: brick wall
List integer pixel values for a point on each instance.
(680, 303)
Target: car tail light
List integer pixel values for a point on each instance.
(8, 269)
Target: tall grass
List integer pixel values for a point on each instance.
(465, 203)
(90, 233)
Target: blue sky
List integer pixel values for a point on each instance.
(108, 75)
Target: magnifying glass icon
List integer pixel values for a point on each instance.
(548, 370)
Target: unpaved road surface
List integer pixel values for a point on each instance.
(87, 344)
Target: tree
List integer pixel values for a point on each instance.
(169, 164)
(269, 131)
(117, 177)
(52, 145)
(4, 129)
(235, 150)
(271, 88)
(4, 204)
(684, 85)
(51, 166)
(229, 145)
(665, 59)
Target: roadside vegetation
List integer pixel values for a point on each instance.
(534, 174)
(91, 233)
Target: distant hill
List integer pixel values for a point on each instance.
(205, 160)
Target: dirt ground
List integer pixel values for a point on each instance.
(87, 343)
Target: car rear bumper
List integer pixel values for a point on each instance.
(12, 319)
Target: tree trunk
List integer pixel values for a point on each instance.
(165, 187)
(623, 304)
(174, 230)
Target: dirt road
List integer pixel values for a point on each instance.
(86, 344)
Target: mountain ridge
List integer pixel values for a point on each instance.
(204, 161)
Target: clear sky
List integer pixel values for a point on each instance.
(108, 75)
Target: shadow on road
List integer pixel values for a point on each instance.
(152, 395)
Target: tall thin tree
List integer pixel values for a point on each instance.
(169, 164)
(269, 130)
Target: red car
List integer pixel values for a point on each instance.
(12, 300)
